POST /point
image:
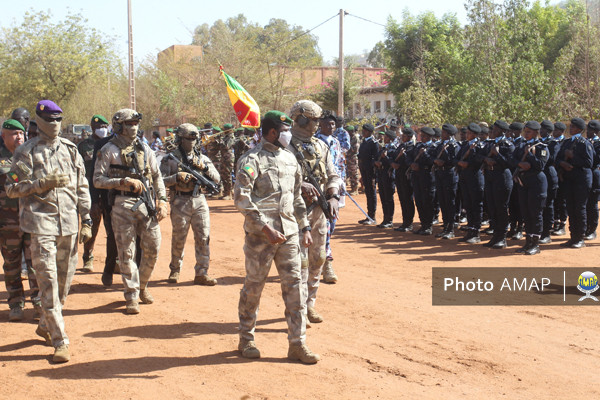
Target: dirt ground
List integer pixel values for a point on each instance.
(381, 337)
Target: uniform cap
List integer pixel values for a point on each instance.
(13, 125)
(408, 131)
(350, 128)
(594, 125)
(578, 122)
(227, 127)
(428, 131)
(391, 134)
(516, 126)
(502, 125)
(533, 125)
(473, 127)
(368, 127)
(560, 126)
(547, 125)
(99, 119)
(277, 116)
(438, 132)
(450, 129)
(48, 106)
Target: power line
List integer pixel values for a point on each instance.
(310, 30)
(364, 19)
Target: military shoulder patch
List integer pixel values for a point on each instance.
(249, 170)
(13, 176)
(24, 168)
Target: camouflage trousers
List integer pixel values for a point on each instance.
(225, 169)
(314, 257)
(88, 247)
(14, 244)
(212, 152)
(127, 225)
(54, 259)
(352, 170)
(186, 211)
(259, 256)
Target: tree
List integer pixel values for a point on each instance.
(328, 96)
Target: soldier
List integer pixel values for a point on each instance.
(367, 154)
(547, 127)
(593, 128)
(128, 167)
(99, 126)
(385, 179)
(212, 146)
(225, 145)
(317, 164)
(22, 115)
(352, 160)
(446, 179)
(560, 204)
(188, 204)
(575, 159)
(498, 182)
(14, 243)
(274, 212)
(421, 161)
(32, 131)
(515, 215)
(48, 177)
(402, 180)
(241, 144)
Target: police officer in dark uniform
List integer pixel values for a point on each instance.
(404, 187)
(498, 182)
(530, 158)
(575, 159)
(551, 177)
(421, 161)
(470, 175)
(560, 203)
(367, 155)
(593, 128)
(514, 208)
(385, 178)
(446, 179)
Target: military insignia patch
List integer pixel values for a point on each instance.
(13, 176)
(543, 153)
(24, 168)
(249, 170)
(42, 107)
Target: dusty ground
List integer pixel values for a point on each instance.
(381, 337)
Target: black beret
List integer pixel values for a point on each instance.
(578, 122)
(594, 125)
(502, 125)
(560, 126)
(451, 129)
(473, 127)
(516, 126)
(408, 131)
(438, 132)
(368, 127)
(533, 125)
(547, 125)
(391, 134)
(428, 131)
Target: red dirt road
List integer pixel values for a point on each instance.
(381, 337)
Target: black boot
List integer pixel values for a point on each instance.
(526, 246)
(560, 230)
(545, 239)
(518, 235)
(492, 241)
(534, 247)
(500, 244)
(474, 239)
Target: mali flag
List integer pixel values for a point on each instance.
(246, 109)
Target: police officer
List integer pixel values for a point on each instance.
(593, 128)
(547, 127)
(575, 160)
(400, 166)
(385, 179)
(446, 179)
(188, 204)
(367, 155)
(421, 161)
(48, 177)
(560, 204)
(530, 158)
(514, 207)
(274, 213)
(124, 164)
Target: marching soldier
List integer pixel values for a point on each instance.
(421, 161)
(514, 207)
(188, 204)
(560, 204)
(385, 179)
(446, 179)
(546, 130)
(367, 154)
(400, 166)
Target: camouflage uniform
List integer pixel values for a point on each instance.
(267, 191)
(113, 165)
(225, 146)
(51, 217)
(14, 243)
(187, 209)
(352, 162)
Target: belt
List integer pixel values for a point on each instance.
(178, 193)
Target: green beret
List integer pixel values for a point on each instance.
(350, 128)
(227, 127)
(13, 125)
(239, 130)
(99, 119)
(279, 117)
(217, 129)
(169, 130)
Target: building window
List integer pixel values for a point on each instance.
(368, 108)
(388, 105)
(377, 107)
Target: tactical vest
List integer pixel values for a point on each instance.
(127, 168)
(314, 158)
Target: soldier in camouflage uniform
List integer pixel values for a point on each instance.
(212, 146)
(315, 152)
(99, 126)
(241, 144)
(48, 177)
(187, 206)
(13, 242)
(268, 194)
(116, 169)
(225, 145)
(352, 160)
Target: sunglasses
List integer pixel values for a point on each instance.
(51, 119)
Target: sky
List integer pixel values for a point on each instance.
(158, 24)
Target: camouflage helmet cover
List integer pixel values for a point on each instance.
(124, 114)
(308, 108)
(187, 131)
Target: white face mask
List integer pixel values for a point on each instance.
(285, 137)
(101, 132)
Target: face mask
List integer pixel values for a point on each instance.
(51, 129)
(101, 132)
(187, 145)
(130, 131)
(285, 138)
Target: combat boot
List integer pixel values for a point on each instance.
(560, 230)
(88, 265)
(61, 354)
(545, 238)
(534, 247)
(501, 243)
(590, 236)
(468, 236)
(204, 280)
(44, 335)
(132, 307)
(474, 239)
(313, 316)
(16, 312)
(301, 352)
(173, 276)
(107, 279)
(146, 297)
(248, 348)
(329, 275)
(518, 235)
(525, 246)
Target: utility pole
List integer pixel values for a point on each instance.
(130, 41)
(340, 109)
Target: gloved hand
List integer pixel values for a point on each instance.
(131, 185)
(163, 210)
(85, 233)
(184, 177)
(53, 180)
(198, 164)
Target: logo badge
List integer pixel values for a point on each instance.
(588, 284)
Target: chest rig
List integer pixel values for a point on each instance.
(127, 168)
(313, 158)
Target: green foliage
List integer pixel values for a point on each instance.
(328, 96)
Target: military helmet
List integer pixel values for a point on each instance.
(123, 115)
(306, 108)
(189, 131)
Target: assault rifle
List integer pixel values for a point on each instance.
(201, 180)
(146, 195)
(517, 174)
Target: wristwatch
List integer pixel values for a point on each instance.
(307, 228)
(334, 196)
(87, 222)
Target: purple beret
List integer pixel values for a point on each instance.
(48, 106)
